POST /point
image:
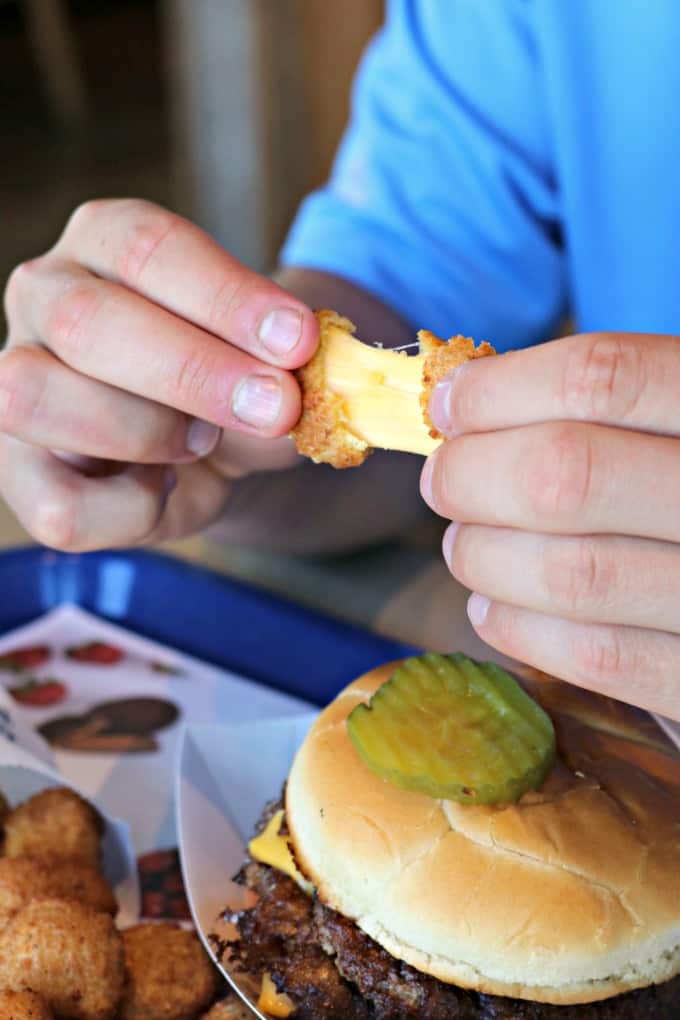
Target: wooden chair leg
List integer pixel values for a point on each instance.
(51, 38)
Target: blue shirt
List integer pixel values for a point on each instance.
(508, 162)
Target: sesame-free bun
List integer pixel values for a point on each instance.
(569, 896)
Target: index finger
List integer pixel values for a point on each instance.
(628, 380)
(173, 263)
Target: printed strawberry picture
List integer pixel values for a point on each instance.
(99, 653)
(162, 888)
(18, 660)
(40, 693)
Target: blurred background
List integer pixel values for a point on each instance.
(227, 111)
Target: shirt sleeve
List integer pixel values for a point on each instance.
(442, 200)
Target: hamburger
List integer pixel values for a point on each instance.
(371, 901)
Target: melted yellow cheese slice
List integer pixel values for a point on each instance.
(272, 1002)
(271, 848)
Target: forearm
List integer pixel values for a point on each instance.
(314, 509)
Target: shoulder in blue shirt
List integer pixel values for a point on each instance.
(508, 162)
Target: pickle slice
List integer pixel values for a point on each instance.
(455, 729)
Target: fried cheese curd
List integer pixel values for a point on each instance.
(356, 398)
(23, 879)
(23, 1006)
(69, 954)
(169, 976)
(55, 823)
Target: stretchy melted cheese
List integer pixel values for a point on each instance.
(356, 398)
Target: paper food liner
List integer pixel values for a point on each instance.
(226, 775)
(27, 767)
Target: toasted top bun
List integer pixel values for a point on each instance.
(569, 896)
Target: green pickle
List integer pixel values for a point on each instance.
(455, 729)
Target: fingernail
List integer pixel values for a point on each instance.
(257, 400)
(477, 609)
(426, 490)
(448, 541)
(441, 402)
(202, 437)
(280, 330)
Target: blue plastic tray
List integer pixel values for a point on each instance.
(199, 612)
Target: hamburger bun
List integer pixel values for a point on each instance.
(569, 896)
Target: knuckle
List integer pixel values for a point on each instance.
(70, 314)
(599, 656)
(55, 520)
(231, 295)
(85, 215)
(558, 472)
(576, 575)
(146, 227)
(193, 380)
(18, 390)
(17, 287)
(605, 377)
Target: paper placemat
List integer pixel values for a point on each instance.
(103, 710)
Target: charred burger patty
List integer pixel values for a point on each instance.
(331, 969)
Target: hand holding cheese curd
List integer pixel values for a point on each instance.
(141, 357)
(147, 391)
(561, 475)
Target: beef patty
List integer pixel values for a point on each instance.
(333, 971)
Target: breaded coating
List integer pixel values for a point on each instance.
(441, 357)
(23, 879)
(169, 975)
(332, 427)
(321, 432)
(69, 954)
(78, 881)
(55, 823)
(23, 1006)
(228, 1009)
